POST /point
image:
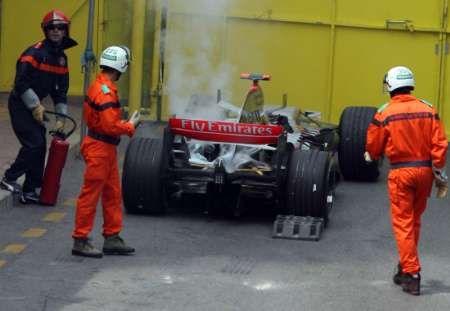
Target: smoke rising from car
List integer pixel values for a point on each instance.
(196, 69)
(193, 55)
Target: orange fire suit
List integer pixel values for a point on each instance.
(409, 132)
(102, 114)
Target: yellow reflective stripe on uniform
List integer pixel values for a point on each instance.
(426, 103)
(382, 107)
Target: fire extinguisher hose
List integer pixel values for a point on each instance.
(63, 135)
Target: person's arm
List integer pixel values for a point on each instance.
(59, 97)
(439, 147)
(439, 143)
(376, 137)
(26, 71)
(110, 116)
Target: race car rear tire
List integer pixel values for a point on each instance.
(353, 126)
(142, 186)
(309, 192)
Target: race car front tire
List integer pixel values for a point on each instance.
(142, 187)
(309, 192)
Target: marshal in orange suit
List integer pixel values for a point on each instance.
(409, 132)
(102, 114)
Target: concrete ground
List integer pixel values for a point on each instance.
(188, 261)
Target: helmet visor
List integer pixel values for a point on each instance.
(56, 26)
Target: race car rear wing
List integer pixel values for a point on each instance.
(227, 132)
(255, 76)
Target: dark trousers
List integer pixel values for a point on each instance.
(31, 157)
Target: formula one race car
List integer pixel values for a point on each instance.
(281, 156)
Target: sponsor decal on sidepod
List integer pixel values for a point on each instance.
(226, 127)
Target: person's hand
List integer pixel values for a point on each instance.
(367, 157)
(59, 126)
(135, 118)
(441, 182)
(38, 113)
(440, 175)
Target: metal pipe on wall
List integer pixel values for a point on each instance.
(137, 50)
(162, 52)
(158, 58)
(443, 44)
(88, 60)
(0, 24)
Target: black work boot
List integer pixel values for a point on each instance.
(411, 284)
(83, 247)
(400, 276)
(29, 198)
(114, 245)
(9, 185)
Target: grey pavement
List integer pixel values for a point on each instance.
(188, 261)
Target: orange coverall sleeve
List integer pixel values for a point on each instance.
(439, 143)
(111, 120)
(376, 137)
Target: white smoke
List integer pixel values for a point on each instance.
(196, 70)
(194, 61)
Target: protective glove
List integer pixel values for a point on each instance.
(441, 182)
(38, 113)
(135, 118)
(442, 191)
(59, 126)
(367, 157)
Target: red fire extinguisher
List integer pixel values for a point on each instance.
(56, 160)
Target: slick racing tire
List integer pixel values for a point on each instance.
(353, 126)
(142, 185)
(309, 192)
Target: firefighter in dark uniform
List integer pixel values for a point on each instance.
(40, 71)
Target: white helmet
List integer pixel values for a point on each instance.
(116, 57)
(398, 77)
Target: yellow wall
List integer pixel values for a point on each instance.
(325, 54)
(112, 25)
(21, 28)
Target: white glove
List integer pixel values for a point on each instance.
(135, 118)
(367, 157)
(440, 175)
